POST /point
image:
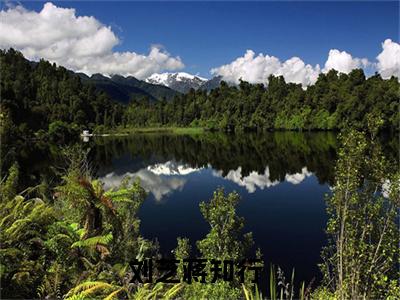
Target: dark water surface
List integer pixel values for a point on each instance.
(282, 178)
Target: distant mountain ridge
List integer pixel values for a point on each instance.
(183, 82)
(123, 89)
(211, 84)
(156, 87)
(180, 81)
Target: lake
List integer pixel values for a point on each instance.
(282, 178)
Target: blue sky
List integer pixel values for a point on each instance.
(209, 34)
(235, 40)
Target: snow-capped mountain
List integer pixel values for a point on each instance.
(181, 81)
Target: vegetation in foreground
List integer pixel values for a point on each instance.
(77, 240)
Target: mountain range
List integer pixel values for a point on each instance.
(123, 89)
(156, 87)
(181, 82)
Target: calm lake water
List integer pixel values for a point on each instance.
(282, 179)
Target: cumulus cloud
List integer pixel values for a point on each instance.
(256, 180)
(159, 179)
(343, 62)
(389, 59)
(252, 181)
(172, 168)
(80, 43)
(159, 186)
(298, 177)
(257, 69)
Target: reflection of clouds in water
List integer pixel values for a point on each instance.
(162, 178)
(298, 177)
(251, 181)
(155, 179)
(172, 168)
(386, 188)
(159, 186)
(255, 180)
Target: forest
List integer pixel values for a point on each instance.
(69, 238)
(43, 100)
(72, 239)
(335, 101)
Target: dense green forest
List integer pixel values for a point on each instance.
(73, 239)
(43, 100)
(334, 102)
(37, 98)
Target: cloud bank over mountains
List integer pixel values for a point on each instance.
(257, 68)
(84, 44)
(80, 43)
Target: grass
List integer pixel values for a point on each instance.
(173, 130)
(279, 288)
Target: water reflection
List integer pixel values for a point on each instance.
(251, 181)
(298, 177)
(242, 158)
(282, 178)
(158, 185)
(158, 179)
(172, 168)
(256, 180)
(161, 179)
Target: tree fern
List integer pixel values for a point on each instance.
(87, 290)
(114, 294)
(94, 241)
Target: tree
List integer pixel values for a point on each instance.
(362, 257)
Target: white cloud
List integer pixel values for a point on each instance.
(172, 168)
(159, 179)
(296, 71)
(252, 181)
(159, 186)
(389, 59)
(298, 177)
(80, 43)
(257, 69)
(343, 62)
(255, 180)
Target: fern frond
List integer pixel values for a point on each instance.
(90, 286)
(114, 294)
(94, 241)
(76, 297)
(122, 195)
(61, 236)
(155, 290)
(171, 293)
(94, 289)
(17, 226)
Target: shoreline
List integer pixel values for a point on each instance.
(173, 130)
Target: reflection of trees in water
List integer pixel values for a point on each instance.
(283, 152)
(38, 162)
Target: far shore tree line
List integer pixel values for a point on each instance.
(42, 100)
(73, 239)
